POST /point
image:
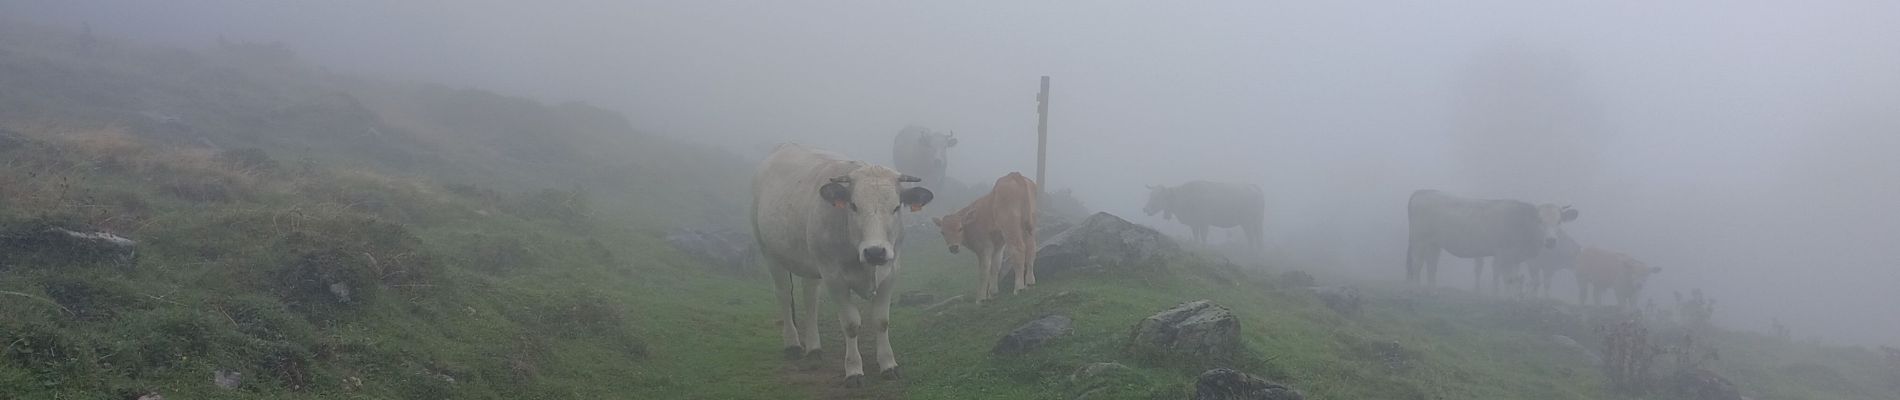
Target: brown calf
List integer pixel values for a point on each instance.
(1599, 269)
(1003, 219)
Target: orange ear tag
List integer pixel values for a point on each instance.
(916, 207)
(837, 204)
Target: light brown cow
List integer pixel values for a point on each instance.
(1003, 219)
(1599, 269)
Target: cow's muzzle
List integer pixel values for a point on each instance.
(877, 256)
(955, 248)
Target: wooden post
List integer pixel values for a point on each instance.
(1042, 138)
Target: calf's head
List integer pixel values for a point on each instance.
(952, 229)
(872, 198)
(1635, 272)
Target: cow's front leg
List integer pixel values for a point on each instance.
(849, 320)
(881, 326)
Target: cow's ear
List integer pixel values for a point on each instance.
(937, 220)
(835, 194)
(953, 142)
(1569, 214)
(916, 198)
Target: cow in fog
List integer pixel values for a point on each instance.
(1548, 261)
(835, 224)
(1003, 220)
(1203, 204)
(923, 153)
(1599, 269)
(1510, 232)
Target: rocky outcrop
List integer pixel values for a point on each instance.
(1033, 335)
(1227, 384)
(1103, 242)
(1195, 330)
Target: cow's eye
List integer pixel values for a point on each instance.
(899, 207)
(854, 207)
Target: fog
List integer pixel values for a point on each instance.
(1745, 147)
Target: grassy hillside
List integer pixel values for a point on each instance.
(329, 236)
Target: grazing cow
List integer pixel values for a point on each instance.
(1599, 269)
(1509, 231)
(829, 220)
(1545, 266)
(1003, 219)
(1201, 204)
(923, 153)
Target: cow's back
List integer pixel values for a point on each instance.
(1471, 228)
(791, 222)
(1217, 204)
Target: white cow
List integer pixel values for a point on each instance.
(827, 219)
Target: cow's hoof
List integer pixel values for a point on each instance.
(891, 374)
(815, 353)
(793, 352)
(854, 381)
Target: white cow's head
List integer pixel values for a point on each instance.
(1158, 199)
(936, 145)
(1550, 217)
(872, 197)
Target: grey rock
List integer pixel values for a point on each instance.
(341, 290)
(227, 379)
(1199, 329)
(1033, 335)
(915, 298)
(731, 250)
(1227, 384)
(1342, 299)
(1104, 241)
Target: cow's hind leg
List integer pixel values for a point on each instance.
(1029, 247)
(808, 318)
(788, 324)
(1019, 248)
(852, 324)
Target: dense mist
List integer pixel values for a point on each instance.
(1745, 148)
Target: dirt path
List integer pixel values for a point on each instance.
(822, 376)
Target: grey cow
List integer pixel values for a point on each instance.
(834, 224)
(923, 153)
(1510, 231)
(1203, 204)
